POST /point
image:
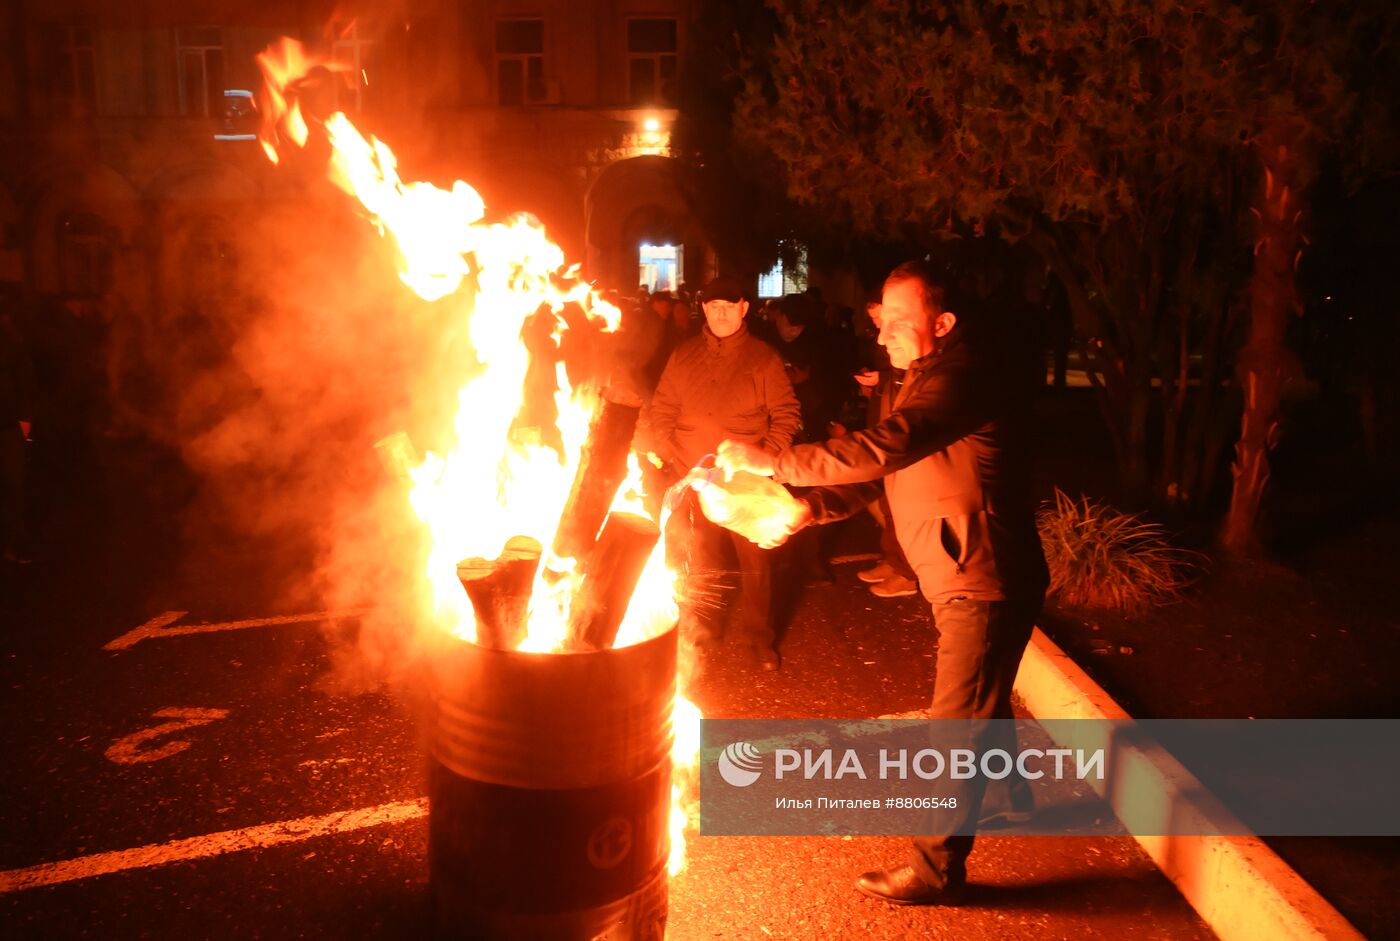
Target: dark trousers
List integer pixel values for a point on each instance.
(979, 650)
(709, 575)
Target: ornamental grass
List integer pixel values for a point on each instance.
(1102, 558)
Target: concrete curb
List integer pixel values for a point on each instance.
(1239, 886)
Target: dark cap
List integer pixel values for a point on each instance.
(722, 289)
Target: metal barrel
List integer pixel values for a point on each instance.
(550, 791)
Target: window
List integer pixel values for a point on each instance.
(239, 117)
(352, 51)
(520, 62)
(199, 57)
(661, 267)
(652, 49)
(209, 263)
(75, 71)
(85, 247)
(785, 279)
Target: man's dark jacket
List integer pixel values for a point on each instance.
(952, 449)
(713, 389)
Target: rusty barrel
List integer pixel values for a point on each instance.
(550, 791)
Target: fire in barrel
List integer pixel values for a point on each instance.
(550, 792)
(552, 805)
(550, 780)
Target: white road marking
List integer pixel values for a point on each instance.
(156, 626)
(211, 844)
(127, 749)
(149, 629)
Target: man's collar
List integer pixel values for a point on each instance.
(725, 343)
(942, 346)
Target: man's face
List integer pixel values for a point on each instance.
(788, 330)
(907, 329)
(724, 317)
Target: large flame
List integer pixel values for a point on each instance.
(496, 480)
(685, 774)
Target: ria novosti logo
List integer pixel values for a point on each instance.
(740, 764)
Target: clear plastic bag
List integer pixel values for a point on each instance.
(755, 507)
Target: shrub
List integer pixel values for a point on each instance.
(1102, 558)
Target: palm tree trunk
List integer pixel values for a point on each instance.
(1266, 367)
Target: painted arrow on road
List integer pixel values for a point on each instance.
(158, 626)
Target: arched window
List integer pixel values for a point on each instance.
(85, 249)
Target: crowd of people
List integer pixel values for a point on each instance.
(706, 367)
(907, 411)
(933, 439)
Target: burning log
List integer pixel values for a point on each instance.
(499, 589)
(609, 579)
(601, 468)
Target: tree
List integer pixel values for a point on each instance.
(1092, 133)
(736, 186)
(1311, 65)
(1117, 139)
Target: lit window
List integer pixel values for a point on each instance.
(661, 267)
(652, 54)
(520, 62)
(785, 279)
(199, 57)
(239, 120)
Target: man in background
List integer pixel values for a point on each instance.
(724, 384)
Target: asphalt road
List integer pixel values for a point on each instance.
(238, 783)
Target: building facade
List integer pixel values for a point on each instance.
(130, 149)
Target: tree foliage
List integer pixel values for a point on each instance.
(737, 187)
(1113, 136)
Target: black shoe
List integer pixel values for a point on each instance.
(900, 886)
(766, 658)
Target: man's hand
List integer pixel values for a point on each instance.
(868, 378)
(735, 456)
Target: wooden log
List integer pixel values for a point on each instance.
(609, 580)
(499, 590)
(601, 468)
(397, 454)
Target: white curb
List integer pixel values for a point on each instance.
(1239, 886)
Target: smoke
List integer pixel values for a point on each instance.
(273, 348)
(281, 348)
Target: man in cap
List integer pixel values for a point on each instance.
(724, 384)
